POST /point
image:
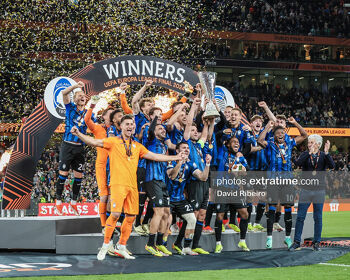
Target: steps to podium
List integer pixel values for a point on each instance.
(86, 244)
(82, 235)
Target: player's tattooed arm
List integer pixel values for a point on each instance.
(173, 172)
(203, 175)
(262, 136)
(67, 91)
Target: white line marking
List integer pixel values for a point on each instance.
(336, 264)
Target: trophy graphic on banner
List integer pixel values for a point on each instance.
(207, 80)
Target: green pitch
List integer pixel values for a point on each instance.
(336, 224)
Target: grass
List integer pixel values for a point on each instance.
(336, 224)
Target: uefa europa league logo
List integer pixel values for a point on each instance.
(207, 80)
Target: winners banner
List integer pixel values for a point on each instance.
(50, 113)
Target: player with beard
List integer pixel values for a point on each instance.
(124, 154)
(257, 162)
(100, 132)
(72, 149)
(115, 118)
(279, 156)
(198, 191)
(144, 229)
(156, 189)
(179, 173)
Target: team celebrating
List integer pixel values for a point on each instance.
(167, 158)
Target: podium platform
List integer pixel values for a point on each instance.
(82, 235)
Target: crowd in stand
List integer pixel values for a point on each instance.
(321, 17)
(45, 178)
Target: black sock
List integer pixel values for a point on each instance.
(270, 219)
(209, 214)
(121, 218)
(173, 222)
(249, 209)
(218, 229)
(60, 186)
(142, 200)
(151, 239)
(76, 188)
(225, 216)
(181, 235)
(159, 239)
(197, 234)
(149, 214)
(278, 217)
(260, 209)
(243, 226)
(187, 242)
(233, 215)
(288, 220)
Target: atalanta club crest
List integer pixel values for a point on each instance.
(53, 97)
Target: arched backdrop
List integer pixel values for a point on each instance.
(97, 77)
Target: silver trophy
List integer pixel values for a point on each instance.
(207, 80)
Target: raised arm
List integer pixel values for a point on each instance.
(90, 124)
(138, 96)
(267, 110)
(303, 134)
(329, 160)
(189, 118)
(262, 136)
(204, 135)
(203, 175)
(172, 121)
(67, 91)
(211, 129)
(173, 172)
(123, 101)
(91, 141)
(151, 129)
(167, 115)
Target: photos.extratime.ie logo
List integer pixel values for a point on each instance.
(272, 187)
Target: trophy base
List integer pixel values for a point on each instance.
(211, 115)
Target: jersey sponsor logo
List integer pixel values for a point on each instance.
(53, 97)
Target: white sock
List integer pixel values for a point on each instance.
(242, 240)
(73, 202)
(58, 202)
(269, 236)
(105, 245)
(255, 224)
(218, 242)
(121, 247)
(287, 236)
